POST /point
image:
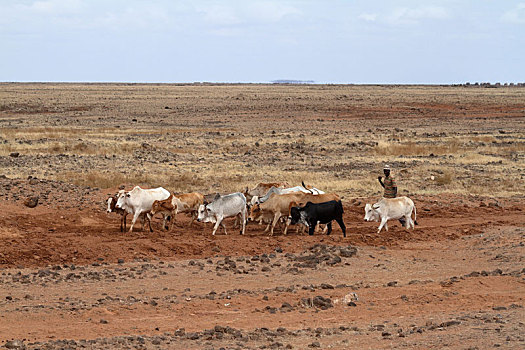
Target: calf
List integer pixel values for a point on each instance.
(166, 208)
(222, 207)
(112, 202)
(188, 203)
(391, 208)
(324, 213)
(181, 203)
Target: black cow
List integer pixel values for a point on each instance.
(313, 213)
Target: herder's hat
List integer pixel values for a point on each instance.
(386, 167)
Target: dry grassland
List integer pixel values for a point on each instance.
(226, 137)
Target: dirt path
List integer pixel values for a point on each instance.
(457, 281)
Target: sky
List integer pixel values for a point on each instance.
(258, 41)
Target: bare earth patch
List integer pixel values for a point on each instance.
(70, 279)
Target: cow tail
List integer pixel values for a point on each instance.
(341, 204)
(415, 216)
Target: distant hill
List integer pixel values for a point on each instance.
(287, 81)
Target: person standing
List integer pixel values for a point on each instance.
(389, 184)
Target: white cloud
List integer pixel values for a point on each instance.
(272, 11)
(247, 12)
(516, 15)
(56, 7)
(221, 15)
(369, 17)
(407, 15)
(135, 16)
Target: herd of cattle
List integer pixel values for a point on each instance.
(269, 203)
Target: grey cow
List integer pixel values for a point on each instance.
(222, 207)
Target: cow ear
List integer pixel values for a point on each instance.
(375, 206)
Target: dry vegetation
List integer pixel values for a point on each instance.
(226, 137)
(71, 279)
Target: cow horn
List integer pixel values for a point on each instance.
(302, 183)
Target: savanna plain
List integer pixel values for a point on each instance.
(70, 279)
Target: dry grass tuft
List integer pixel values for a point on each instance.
(412, 148)
(444, 179)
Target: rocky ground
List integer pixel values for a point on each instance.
(70, 279)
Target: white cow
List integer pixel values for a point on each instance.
(222, 207)
(258, 200)
(138, 201)
(391, 208)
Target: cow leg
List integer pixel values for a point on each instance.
(174, 217)
(123, 222)
(145, 217)
(219, 220)
(410, 222)
(274, 222)
(135, 217)
(341, 225)
(304, 228)
(406, 221)
(329, 225)
(287, 224)
(383, 223)
(165, 219)
(193, 216)
(243, 218)
(124, 218)
(148, 217)
(311, 229)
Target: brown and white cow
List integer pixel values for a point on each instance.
(181, 203)
(112, 202)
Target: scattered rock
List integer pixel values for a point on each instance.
(31, 202)
(322, 303)
(15, 344)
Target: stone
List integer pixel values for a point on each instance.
(15, 344)
(31, 202)
(322, 303)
